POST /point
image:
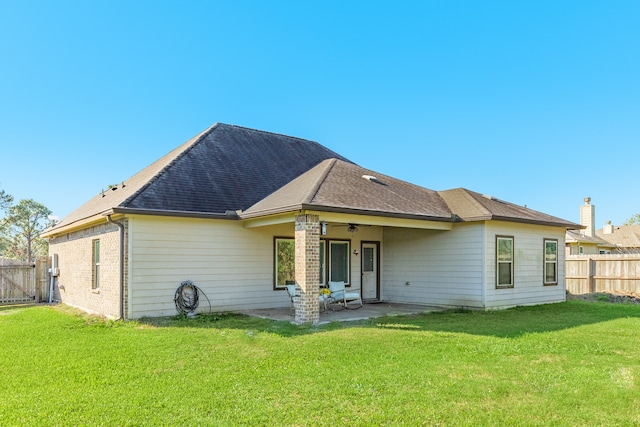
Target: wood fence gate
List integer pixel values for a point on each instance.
(22, 282)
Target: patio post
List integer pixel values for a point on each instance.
(308, 268)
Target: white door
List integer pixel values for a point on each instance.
(370, 271)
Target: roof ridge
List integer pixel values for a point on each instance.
(323, 177)
(265, 131)
(195, 140)
(473, 194)
(338, 156)
(468, 195)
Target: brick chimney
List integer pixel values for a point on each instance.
(588, 217)
(608, 228)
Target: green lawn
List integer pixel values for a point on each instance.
(575, 363)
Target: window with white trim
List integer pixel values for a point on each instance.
(550, 262)
(504, 261)
(95, 274)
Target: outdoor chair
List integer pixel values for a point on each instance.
(291, 291)
(341, 295)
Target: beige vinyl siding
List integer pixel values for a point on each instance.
(231, 264)
(442, 267)
(528, 273)
(587, 249)
(339, 232)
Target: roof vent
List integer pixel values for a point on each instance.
(486, 196)
(374, 179)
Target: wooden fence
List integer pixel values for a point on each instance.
(603, 273)
(22, 282)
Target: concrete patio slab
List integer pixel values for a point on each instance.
(367, 311)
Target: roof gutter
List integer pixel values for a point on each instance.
(185, 214)
(59, 229)
(567, 225)
(121, 227)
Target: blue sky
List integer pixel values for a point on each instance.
(536, 103)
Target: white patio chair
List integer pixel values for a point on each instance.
(291, 291)
(343, 296)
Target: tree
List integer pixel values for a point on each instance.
(5, 201)
(634, 220)
(22, 227)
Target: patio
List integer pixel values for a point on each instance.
(368, 311)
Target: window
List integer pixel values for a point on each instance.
(95, 276)
(339, 261)
(367, 260)
(504, 261)
(580, 250)
(285, 260)
(550, 262)
(323, 262)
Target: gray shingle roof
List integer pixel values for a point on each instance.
(472, 206)
(109, 199)
(232, 168)
(339, 186)
(229, 168)
(226, 167)
(574, 236)
(625, 236)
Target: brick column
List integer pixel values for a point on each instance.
(308, 268)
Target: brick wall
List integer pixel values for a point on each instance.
(75, 258)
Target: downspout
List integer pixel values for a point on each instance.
(121, 227)
(484, 265)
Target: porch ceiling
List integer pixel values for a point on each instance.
(346, 218)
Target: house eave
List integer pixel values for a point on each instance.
(341, 215)
(333, 209)
(175, 213)
(565, 225)
(75, 225)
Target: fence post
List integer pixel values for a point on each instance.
(591, 273)
(41, 279)
(34, 277)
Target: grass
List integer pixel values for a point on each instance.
(575, 363)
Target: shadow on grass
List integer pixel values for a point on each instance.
(517, 321)
(229, 320)
(12, 306)
(503, 323)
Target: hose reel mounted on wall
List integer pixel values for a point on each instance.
(187, 298)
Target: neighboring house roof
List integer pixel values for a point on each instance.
(471, 206)
(336, 185)
(624, 236)
(573, 236)
(232, 171)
